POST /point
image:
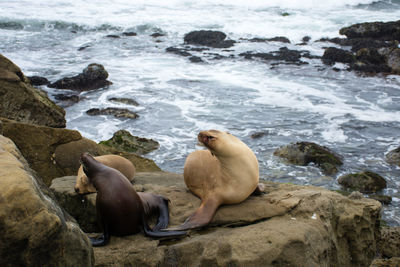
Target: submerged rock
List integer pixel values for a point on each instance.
(365, 182)
(284, 54)
(393, 157)
(35, 231)
(281, 39)
(117, 112)
(20, 101)
(124, 100)
(333, 54)
(289, 225)
(94, 76)
(124, 141)
(214, 39)
(303, 153)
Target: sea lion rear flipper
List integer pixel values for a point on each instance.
(160, 234)
(163, 217)
(201, 217)
(259, 190)
(102, 240)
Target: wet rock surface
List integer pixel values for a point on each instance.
(303, 153)
(124, 141)
(365, 182)
(94, 76)
(116, 112)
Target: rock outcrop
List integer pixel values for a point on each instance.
(94, 76)
(124, 141)
(289, 225)
(54, 152)
(35, 231)
(303, 153)
(393, 157)
(374, 47)
(365, 182)
(116, 112)
(20, 101)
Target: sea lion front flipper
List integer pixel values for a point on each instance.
(201, 217)
(100, 241)
(259, 190)
(163, 215)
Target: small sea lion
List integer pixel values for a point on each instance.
(120, 210)
(84, 186)
(226, 173)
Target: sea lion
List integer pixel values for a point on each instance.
(226, 173)
(84, 186)
(120, 210)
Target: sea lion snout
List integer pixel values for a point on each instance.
(205, 137)
(76, 189)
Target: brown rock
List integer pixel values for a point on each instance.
(389, 242)
(288, 226)
(20, 101)
(393, 262)
(54, 152)
(34, 229)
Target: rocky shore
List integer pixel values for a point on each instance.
(45, 223)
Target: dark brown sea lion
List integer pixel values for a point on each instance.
(84, 186)
(120, 210)
(226, 173)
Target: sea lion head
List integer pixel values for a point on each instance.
(89, 164)
(218, 142)
(82, 184)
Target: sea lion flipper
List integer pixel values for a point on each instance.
(163, 217)
(201, 217)
(260, 189)
(100, 241)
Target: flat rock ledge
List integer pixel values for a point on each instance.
(288, 225)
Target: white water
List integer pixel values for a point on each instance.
(358, 117)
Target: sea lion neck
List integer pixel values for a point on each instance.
(90, 165)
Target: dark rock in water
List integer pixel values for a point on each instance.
(393, 59)
(93, 77)
(214, 39)
(178, 51)
(157, 34)
(11, 25)
(393, 157)
(129, 33)
(365, 182)
(114, 36)
(37, 80)
(284, 54)
(67, 100)
(117, 112)
(124, 100)
(369, 60)
(258, 135)
(124, 141)
(303, 153)
(386, 200)
(306, 39)
(83, 47)
(376, 30)
(332, 55)
(281, 39)
(195, 59)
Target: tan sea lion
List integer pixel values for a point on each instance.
(120, 210)
(226, 173)
(83, 185)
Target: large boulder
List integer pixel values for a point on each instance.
(20, 101)
(94, 76)
(365, 182)
(35, 231)
(303, 153)
(378, 30)
(54, 152)
(289, 225)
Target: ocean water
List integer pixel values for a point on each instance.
(356, 116)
